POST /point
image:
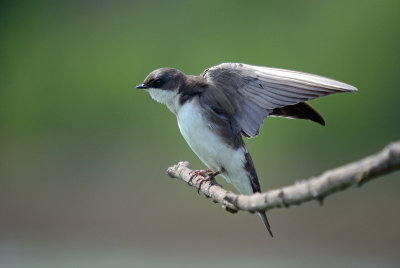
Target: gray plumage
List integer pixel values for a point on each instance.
(258, 91)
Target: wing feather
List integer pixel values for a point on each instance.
(265, 89)
(284, 92)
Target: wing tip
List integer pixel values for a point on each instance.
(350, 88)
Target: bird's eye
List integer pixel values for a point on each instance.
(158, 83)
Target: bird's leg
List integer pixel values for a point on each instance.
(210, 178)
(203, 173)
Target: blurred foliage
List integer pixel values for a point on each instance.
(77, 138)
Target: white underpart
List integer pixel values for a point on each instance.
(211, 148)
(205, 143)
(167, 97)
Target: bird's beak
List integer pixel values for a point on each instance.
(142, 86)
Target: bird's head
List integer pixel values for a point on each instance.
(163, 84)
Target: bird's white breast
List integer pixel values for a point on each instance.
(209, 146)
(199, 135)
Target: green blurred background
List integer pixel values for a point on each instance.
(83, 153)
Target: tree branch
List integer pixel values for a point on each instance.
(331, 181)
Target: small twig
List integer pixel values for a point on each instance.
(317, 188)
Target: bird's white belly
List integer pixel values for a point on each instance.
(208, 145)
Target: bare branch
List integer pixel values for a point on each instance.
(331, 181)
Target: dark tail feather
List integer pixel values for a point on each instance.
(255, 185)
(300, 110)
(264, 218)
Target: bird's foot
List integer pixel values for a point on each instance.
(210, 178)
(203, 173)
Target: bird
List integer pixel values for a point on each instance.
(229, 101)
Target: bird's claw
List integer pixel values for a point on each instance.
(209, 177)
(203, 173)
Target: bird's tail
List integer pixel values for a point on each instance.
(253, 187)
(264, 218)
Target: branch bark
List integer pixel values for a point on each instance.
(317, 188)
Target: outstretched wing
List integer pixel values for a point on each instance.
(263, 90)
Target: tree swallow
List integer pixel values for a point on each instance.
(231, 100)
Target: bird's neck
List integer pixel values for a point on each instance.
(192, 87)
(174, 104)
